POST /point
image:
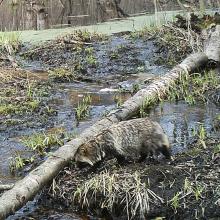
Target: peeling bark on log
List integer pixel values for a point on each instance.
(6, 187)
(212, 45)
(25, 189)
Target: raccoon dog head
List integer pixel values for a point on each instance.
(162, 141)
(90, 153)
(165, 147)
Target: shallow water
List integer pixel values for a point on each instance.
(64, 101)
(177, 119)
(116, 59)
(180, 121)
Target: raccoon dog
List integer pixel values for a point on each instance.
(136, 138)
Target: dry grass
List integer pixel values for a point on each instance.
(174, 42)
(9, 74)
(108, 190)
(178, 42)
(9, 42)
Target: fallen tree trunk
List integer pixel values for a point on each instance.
(29, 186)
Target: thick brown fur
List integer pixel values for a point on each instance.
(133, 138)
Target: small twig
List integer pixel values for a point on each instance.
(76, 42)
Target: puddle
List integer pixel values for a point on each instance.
(180, 120)
(63, 101)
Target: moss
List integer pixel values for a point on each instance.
(18, 162)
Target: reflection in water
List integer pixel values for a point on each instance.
(179, 120)
(8, 148)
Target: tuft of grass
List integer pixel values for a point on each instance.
(91, 60)
(175, 201)
(84, 36)
(189, 189)
(217, 149)
(135, 88)
(146, 105)
(88, 50)
(201, 134)
(82, 110)
(6, 109)
(105, 190)
(17, 108)
(193, 89)
(9, 42)
(33, 105)
(198, 190)
(18, 162)
(41, 142)
(187, 186)
(29, 88)
(114, 55)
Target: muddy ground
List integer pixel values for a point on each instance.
(42, 98)
(188, 187)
